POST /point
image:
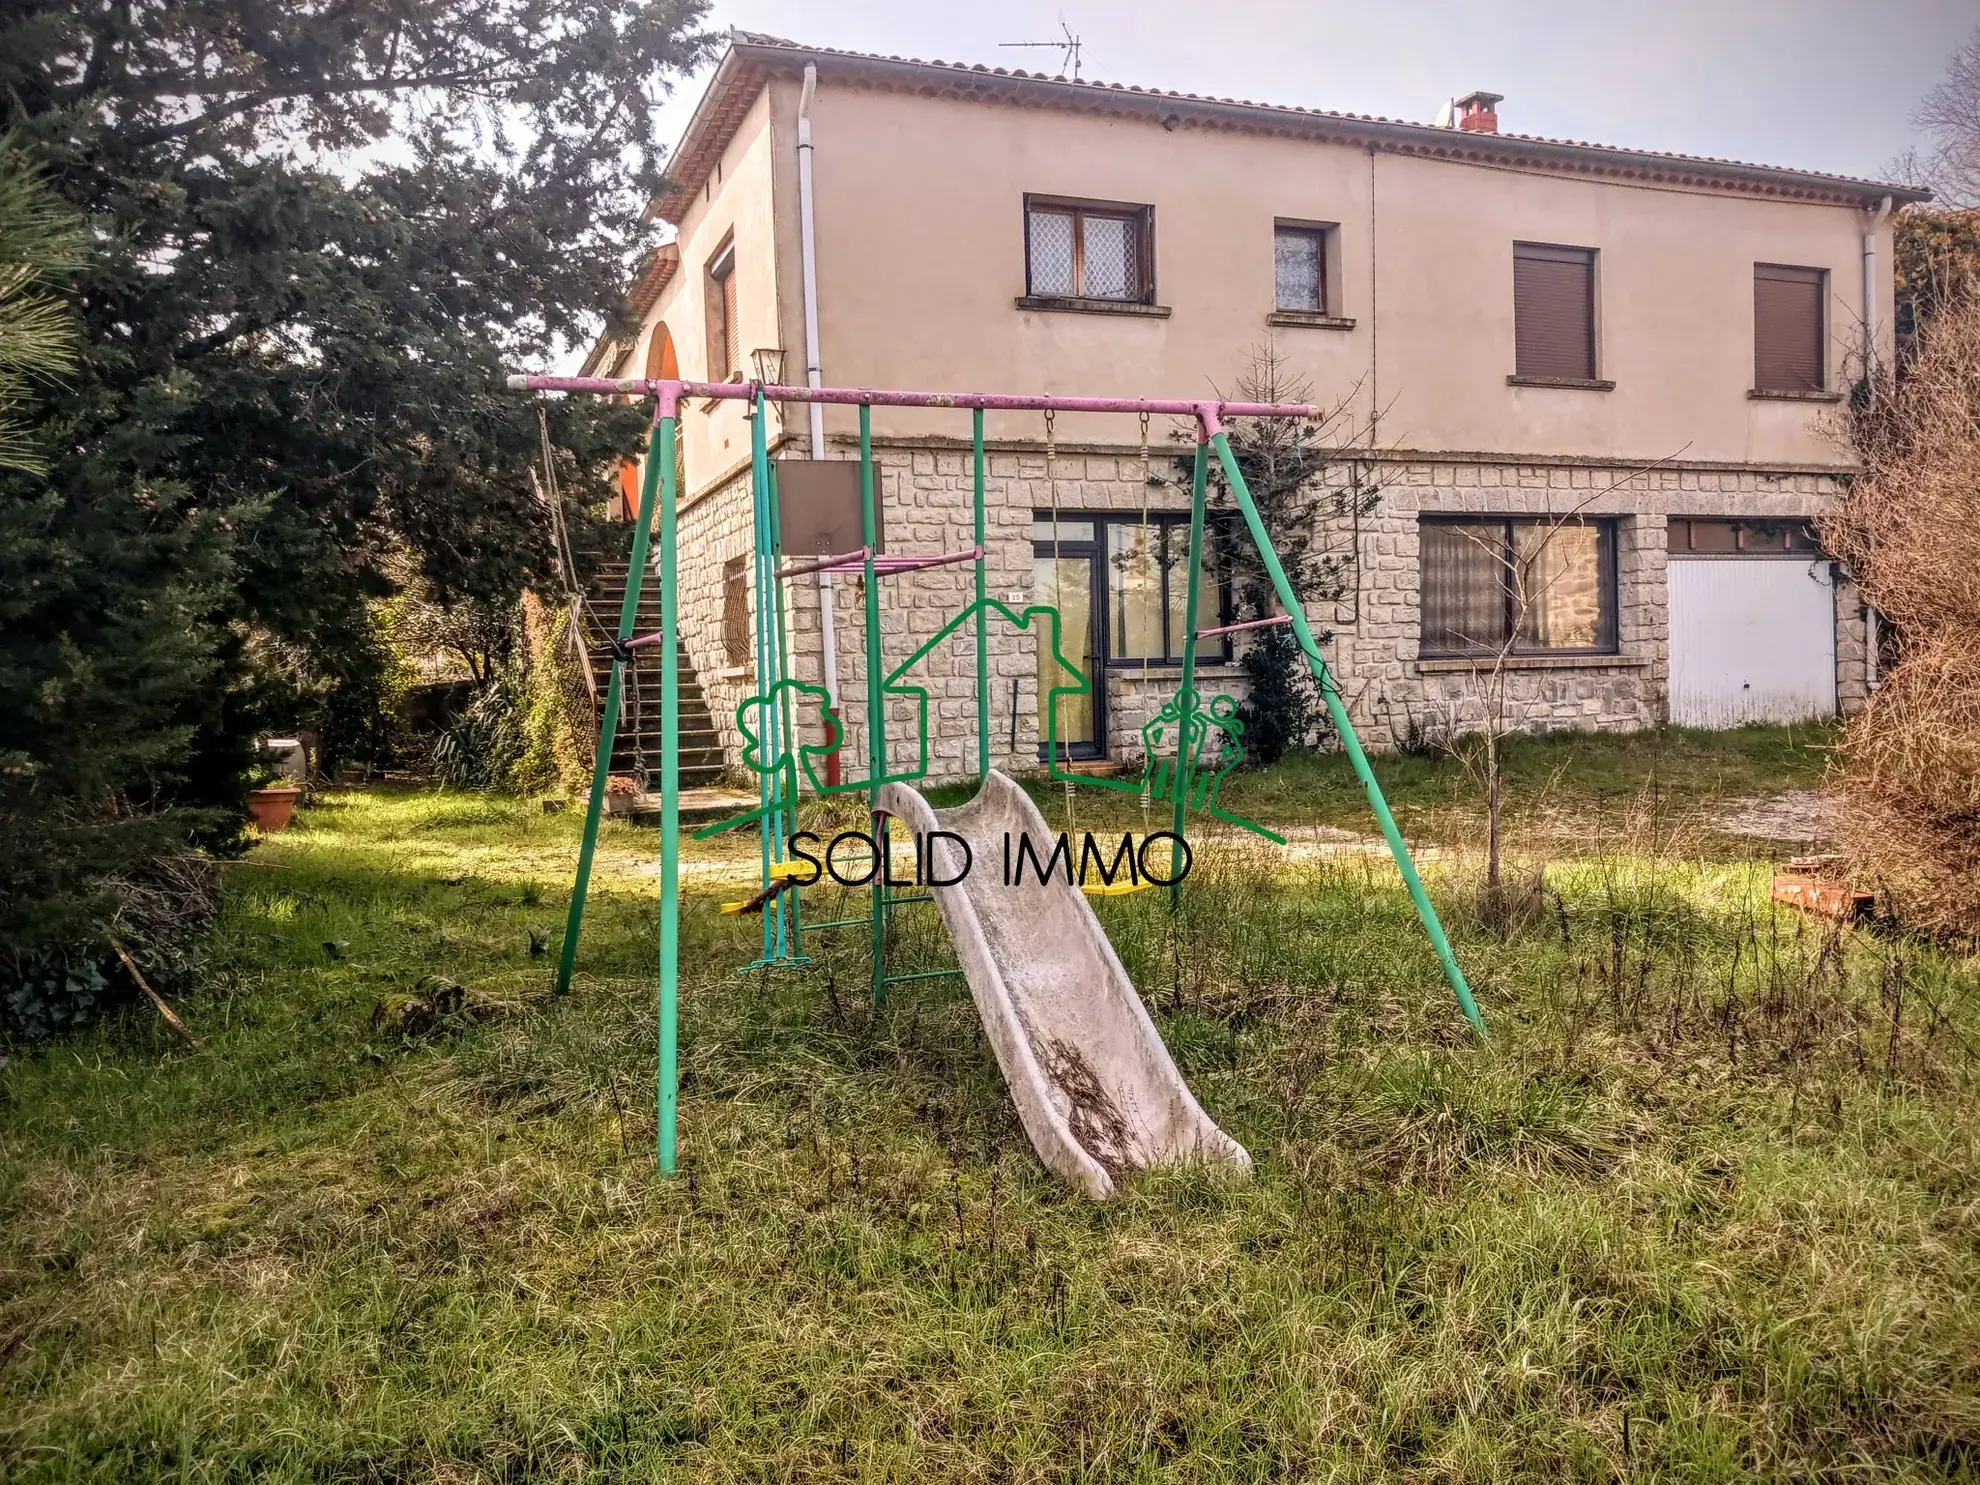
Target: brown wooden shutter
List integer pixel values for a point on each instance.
(719, 313)
(1554, 311)
(732, 326)
(1787, 328)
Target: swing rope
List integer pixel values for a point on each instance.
(1147, 540)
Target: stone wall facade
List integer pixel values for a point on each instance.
(1392, 694)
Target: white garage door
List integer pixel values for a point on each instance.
(1752, 640)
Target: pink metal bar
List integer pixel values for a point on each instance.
(1248, 624)
(644, 640)
(670, 393)
(889, 566)
(824, 564)
(915, 564)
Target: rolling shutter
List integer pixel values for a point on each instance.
(1554, 311)
(1787, 328)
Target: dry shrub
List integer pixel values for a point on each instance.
(1909, 530)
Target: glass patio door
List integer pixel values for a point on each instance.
(1066, 576)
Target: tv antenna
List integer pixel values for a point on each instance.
(1067, 47)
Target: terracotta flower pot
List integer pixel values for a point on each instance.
(272, 808)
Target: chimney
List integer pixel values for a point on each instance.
(1478, 113)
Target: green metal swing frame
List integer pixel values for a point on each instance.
(783, 926)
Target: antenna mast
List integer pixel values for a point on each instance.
(1067, 47)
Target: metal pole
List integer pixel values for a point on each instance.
(608, 721)
(1331, 694)
(633, 386)
(668, 1077)
(982, 619)
(769, 671)
(876, 718)
(789, 813)
(1198, 499)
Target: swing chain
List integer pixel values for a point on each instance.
(1052, 490)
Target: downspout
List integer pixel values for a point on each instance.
(1871, 678)
(814, 377)
(1870, 293)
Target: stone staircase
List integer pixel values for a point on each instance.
(637, 745)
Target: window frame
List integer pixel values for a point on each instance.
(1321, 234)
(1211, 652)
(1610, 578)
(723, 333)
(1142, 216)
(1562, 252)
(1799, 539)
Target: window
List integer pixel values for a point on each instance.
(1299, 269)
(1755, 537)
(735, 612)
(1553, 313)
(1525, 585)
(724, 342)
(1089, 250)
(1143, 583)
(1787, 328)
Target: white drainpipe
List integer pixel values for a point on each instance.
(813, 372)
(1870, 289)
(1871, 676)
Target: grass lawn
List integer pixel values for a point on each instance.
(1706, 1206)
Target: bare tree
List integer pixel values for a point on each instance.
(1908, 529)
(1950, 118)
(1474, 724)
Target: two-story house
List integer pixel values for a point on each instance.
(1595, 387)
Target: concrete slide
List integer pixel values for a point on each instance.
(1094, 1087)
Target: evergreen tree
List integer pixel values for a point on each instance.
(1309, 494)
(319, 234)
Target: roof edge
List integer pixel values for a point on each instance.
(751, 59)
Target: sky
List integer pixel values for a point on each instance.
(1816, 84)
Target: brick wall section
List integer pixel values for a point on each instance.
(1390, 691)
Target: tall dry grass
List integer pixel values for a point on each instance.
(1909, 529)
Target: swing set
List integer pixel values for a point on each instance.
(1188, 773)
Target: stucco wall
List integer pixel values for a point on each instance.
(921, 257)
(740, 200)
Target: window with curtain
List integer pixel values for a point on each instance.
(1089, 250)
(1299, 269)
(1525, 585)
(1148, 591)
(1143, 579)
